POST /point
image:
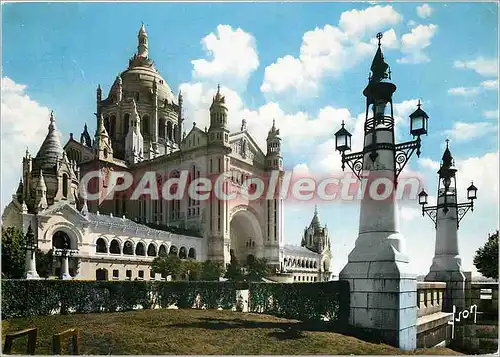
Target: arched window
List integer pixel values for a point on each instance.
(169, 131)
(114, 247)
(101, 274)
(65, 185)
(173, 250)
(139, 249)
(176, 134)
(60, 240)
(112, 126)
(126, 123)
(161, 128)
(183, 253)
(128, 248)
(101, 246)
(152, 250)
(162, 252)
(192, 253)
(145, 125)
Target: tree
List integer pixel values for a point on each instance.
(192, 269)
(211, 271)
(13, 253)
(486, 258)
(257, 268)
(44, 263)
(167, 265)
(233, 271)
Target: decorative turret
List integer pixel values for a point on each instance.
(51, 152)
(315, 236)
(142, 47)
(274, 159)
(379, 88)
(103, 147)
(134, 141)
(85, 137)
(218, 131)
(177, 135)
(141, 58)
(41, 193)
(98, 101)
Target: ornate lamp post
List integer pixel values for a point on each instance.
(446, 215)
(30, 245)
(383, 290)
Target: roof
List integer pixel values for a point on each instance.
(51, 152)
(296, 250)
(130, 224)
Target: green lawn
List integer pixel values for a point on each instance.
(201, 332)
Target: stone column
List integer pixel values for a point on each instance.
(65, 268)
(383, 290)
(447, 264)
(31, 272)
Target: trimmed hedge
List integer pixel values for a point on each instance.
(307, 302)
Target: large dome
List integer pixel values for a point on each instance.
(140, 80)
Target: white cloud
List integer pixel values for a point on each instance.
(415, 42)
(427, 163)
(484, 172)
(330, 50)
(490, 84)
(389, 40)
(234, 56)
(295, 127)
(467, 131)
(424, 11)
(490, 114)
(465, 91)
(483, 66)
(24, 125)
(359, 23)
(412, 23)
(409, 213)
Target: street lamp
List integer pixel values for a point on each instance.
(379, 123)
(30, 245)
(447, 193)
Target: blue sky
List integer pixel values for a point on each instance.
(303, 64)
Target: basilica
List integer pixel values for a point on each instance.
(140, 128)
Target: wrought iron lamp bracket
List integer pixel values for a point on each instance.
(431, 211)
(403, 153)
(355, 162)
(462, 209)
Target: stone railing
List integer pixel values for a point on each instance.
(430, 297)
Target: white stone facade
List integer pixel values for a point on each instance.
(139, 129)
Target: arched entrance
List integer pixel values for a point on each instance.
(246, 235)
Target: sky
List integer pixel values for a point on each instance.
(303, 64)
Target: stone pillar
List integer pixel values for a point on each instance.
(383, 290)
(31, 272)
(65, 268)
(447, 264)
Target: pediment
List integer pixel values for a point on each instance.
(196, 138)
(246, 148)
(66, 210)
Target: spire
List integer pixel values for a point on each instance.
(447, 168)
(51, 151)
(273, 131)
(85, 137)
(142, 42)
(315, 222)
(380, 69)
(20, 190)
